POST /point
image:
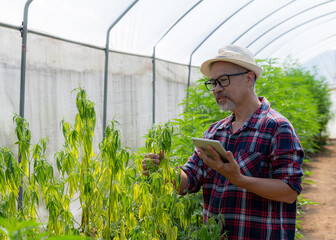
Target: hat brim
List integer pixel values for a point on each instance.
(205, 67)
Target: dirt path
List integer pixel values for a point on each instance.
(319, 221)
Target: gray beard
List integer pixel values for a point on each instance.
(229, 106)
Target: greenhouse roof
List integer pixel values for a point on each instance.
(184, 31)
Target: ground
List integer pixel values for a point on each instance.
(319, 221)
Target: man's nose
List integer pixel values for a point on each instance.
(218, 88)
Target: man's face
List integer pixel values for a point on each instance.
(230, 96)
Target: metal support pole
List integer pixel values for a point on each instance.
(289, 30)
(153, 104)
(23, 80)
(105, 80)
(191, 55)
(276, 10)
(154, 57)
(189, 71)
(107, 61)
(285, 20)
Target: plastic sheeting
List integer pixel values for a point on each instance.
(55, 68)
(302, 28)
(270, 28)
(325, 65)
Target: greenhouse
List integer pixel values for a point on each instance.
(89, 87)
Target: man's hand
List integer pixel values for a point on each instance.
(151, 160)
(229, 170)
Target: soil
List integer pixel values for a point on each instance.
(319, 221)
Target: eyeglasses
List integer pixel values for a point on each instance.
(222, 80)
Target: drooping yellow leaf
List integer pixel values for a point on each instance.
(136, 190)
(141, 212)
(116, 238)
(116, 188)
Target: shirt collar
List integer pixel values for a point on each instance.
(254, 121)
(226, 122)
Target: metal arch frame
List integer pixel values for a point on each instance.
(189, 66)
(24, 56)
(263, 34)
(306, 22)
(316, 42)
(23, 80)
(319, 42)
(154, 58)
(107, 61)
(206, 38)
(9, 26)
(278, 9)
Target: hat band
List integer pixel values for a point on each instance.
(236, 57)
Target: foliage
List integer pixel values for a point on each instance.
(183, 213)
(13, 229)
(116, 200)
(20, 175)
(300, 96)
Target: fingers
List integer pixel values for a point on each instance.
(202, 154)
(148, 165)
(152, 156)
(162, 154)
(214, 153)
(228, 158)
(150, 161)
(228, 155)
(215, 160)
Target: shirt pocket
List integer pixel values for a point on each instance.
(252, 164)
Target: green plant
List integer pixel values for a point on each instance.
(300, 96)
(10, 181)
(160, 210)
(15, 175)
(13, 229)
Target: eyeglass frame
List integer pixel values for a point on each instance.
(217, 81)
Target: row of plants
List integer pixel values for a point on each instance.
(116, 200)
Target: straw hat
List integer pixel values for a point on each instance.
(233, 54)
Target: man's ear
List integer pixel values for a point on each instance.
(251, 78)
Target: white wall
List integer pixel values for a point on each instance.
(55, 68)
(325, 65)
(332, 122)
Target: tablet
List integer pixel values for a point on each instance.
(204, 143)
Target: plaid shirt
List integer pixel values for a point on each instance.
(266, 146)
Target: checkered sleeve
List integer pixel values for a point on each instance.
(287, 156)
(194, 168)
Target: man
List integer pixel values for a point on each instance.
(257, 190)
